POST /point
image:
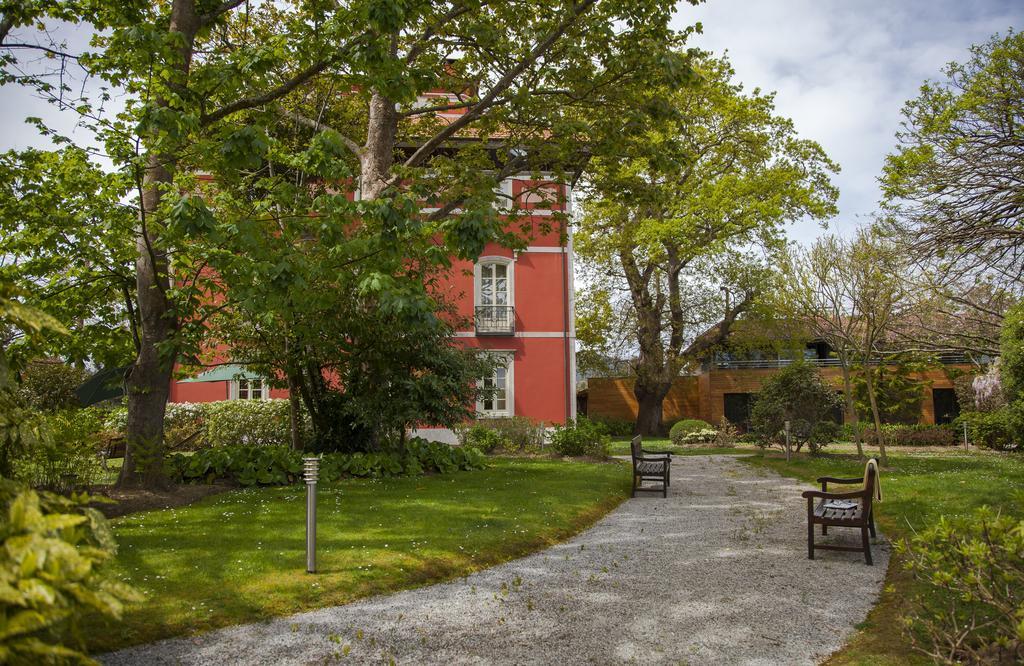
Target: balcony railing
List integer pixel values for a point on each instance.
(738, 364)
(495, 320)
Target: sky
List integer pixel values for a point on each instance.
(841, 70)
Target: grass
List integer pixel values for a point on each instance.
(620, 447)
(240, 556)
(918, 488)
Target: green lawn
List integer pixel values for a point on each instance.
(620, 447)
(240, 556)
(917, 488)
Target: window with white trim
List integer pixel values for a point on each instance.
(496, 398)
(494, 283)
(249, 389)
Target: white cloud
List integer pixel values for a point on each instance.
(842, 70)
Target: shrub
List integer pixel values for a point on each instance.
(911, 435)
(483, 438)
(616, 427)
(181, 423)
(992, 430)
(66, 455)
(796, 394)
(50, 384)
(51, 562)
(689, 425)
(248, 422)
(581, 437)
(281, 465)
(702, 437)
(518, 434)
(975, 569)
(727, 434)
(1011, 353)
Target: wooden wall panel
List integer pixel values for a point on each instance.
(703, 396)
(612, 398)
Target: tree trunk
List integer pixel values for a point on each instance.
(649, 397)
(851, 407)
(149, 380)
(870, 381)
(378, 154)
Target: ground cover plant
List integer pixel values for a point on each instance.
(374, 536)
(919, 489)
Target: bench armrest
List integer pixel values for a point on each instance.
(656, 453)
(812, 494)
(832, 479)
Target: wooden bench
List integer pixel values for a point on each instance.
(650, 466)
(861, 516)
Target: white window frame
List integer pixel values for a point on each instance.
(510, 384)
(235, 389)
(503, 196)
(510, 277)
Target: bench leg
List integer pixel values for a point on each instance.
(866, 543)
(634, 485)
(664, 484)
(810, 529)
(871, 523)
(824, 529)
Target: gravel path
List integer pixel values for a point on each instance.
(716, 573)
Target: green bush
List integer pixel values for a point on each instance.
(581, 437)
(1011, 353)
(974, 612)
(51, 575)
(993, 430)
(517, 434)
(280, 465)
(616, 427)
(247, 422)
(797, 394)
(66, 455)
(483, 438)
(49, 385)
(689, 425)
(906, 435)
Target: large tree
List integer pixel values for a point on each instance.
(819, 291)
(679, 208)
(953, 192)
(207, 81)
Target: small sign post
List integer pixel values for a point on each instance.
(311, 468)
(786, 426)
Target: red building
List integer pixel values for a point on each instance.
(521, 306)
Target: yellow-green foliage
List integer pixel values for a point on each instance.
(979, 563)
(53, 550)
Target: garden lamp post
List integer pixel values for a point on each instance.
(311, 468)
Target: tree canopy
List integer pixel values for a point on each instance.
(398, 102)
(680, 214)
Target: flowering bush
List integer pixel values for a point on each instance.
(691, 431)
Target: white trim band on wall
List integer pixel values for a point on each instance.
(520, 334)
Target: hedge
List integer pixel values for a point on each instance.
(904, 435)
(281, 465)
(224, 423)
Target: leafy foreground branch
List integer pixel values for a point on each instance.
(54, 550)
(979, 561)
